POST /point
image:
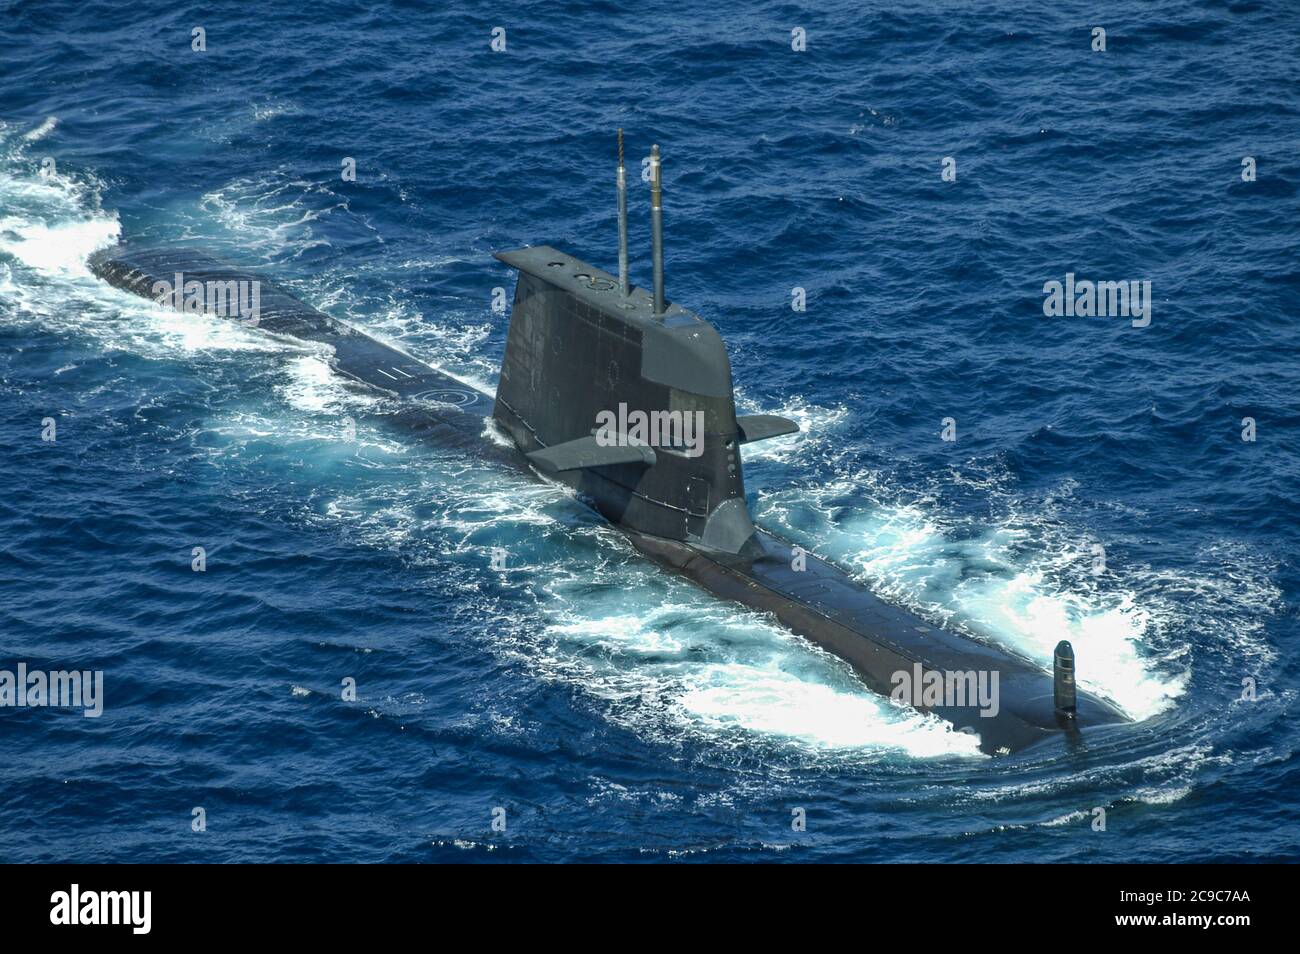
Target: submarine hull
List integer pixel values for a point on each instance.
(809, 595)
(426, 400)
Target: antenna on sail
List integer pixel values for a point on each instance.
(657, 227)
(622, 220)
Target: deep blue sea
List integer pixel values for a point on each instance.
(1099, 488)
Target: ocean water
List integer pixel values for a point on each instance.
(612, 711)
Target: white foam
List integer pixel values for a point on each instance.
(43, 130)
(60, 247)
(769, 701)
(50, 227)
(313, 386)
(1002, 584)
(1029, 616)
(816, 425)
(621, 635)
(273, 212)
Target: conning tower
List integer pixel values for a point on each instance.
(626, 397)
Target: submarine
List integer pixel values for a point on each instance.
(589, 359)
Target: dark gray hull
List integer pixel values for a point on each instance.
(821, 602)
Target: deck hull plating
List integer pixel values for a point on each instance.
(812, 597)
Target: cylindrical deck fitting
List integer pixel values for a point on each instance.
(623, 285)
(657, 228)
(1063, 687)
